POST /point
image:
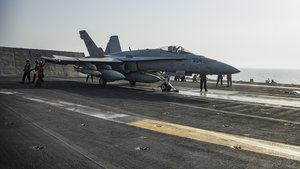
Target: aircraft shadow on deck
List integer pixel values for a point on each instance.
(93, 90)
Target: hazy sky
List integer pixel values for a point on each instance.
(243, 33)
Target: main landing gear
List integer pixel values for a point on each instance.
(132, 83)
(102, 82)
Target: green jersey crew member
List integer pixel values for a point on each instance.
(27, 69)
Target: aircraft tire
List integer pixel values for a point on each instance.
(182, 78)
(132, 83)
(102, 82)
(164, 87)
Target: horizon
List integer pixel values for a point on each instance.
(153, 48)
(255, 34)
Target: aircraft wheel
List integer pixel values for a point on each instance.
(102, 82)
(182, 78)
(132, 83)
(165, 87)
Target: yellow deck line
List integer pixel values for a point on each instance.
(245, 143)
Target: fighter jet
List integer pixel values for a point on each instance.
(140, 65)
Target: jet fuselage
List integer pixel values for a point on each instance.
(190, 64)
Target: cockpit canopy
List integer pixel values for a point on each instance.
(176, 50)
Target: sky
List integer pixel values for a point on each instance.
(242, 33)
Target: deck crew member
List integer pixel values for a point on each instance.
(203, 82)
(27, 69)
(229, 80)
(220, 79)
(40, 75)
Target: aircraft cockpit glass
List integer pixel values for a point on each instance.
(176, 49)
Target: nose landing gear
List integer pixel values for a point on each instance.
(168, 87)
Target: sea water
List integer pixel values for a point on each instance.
(284, 76)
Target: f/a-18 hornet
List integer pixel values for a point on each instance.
(139, 65)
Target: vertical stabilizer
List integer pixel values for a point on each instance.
(94, 51)
(113, 45)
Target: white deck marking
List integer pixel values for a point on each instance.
(7, 92)
(78, 108)
(238, 114)
(237, 96)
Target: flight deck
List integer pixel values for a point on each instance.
(69, 123)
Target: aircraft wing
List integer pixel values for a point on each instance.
(64, 60)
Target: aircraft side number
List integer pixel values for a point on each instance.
(197, 60)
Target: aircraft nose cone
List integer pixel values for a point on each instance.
(235, 70)
(230, 69)
(223, 68)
